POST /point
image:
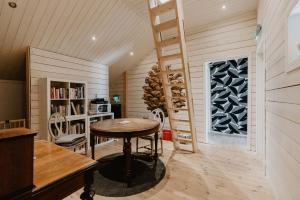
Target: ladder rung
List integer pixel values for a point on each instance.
(168, 42)
(173, 71)
(166, 25)
(184, 139)
(170, 57)
(163, 7)
(181, 120)
(182, 131)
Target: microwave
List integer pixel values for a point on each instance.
(100, 108)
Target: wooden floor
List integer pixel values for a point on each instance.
(215, 173)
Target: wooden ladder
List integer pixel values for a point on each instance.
(166, 17)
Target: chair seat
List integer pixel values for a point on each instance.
(71, 139)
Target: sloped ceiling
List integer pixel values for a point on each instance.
(67, 27)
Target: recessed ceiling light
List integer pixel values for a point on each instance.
(94, 38)
(224, 7)
(12, 4)
(131, 53)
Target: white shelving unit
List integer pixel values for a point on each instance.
(67, 97)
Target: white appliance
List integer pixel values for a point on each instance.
(100, 108)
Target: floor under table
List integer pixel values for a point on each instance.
(216, 172)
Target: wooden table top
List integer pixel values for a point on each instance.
(125, 127)
(52, 163)
(15, 132)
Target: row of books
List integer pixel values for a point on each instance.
(59, 93)
(62, 109)
(77, 128)
(77, 108)
(77, 93)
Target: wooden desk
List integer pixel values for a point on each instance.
(59, 172)
(117, 128)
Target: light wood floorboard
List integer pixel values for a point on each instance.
(214, 173)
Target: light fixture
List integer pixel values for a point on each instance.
(224, 7)
(131, 53)
(12, 4)
(94, 38)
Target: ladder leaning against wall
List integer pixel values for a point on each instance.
(168, 32)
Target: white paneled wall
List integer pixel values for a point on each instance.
(43, 64)
(283, 103)
(226, 39)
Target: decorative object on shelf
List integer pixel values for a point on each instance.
(60, 134)
(159, 116)
(153, 91)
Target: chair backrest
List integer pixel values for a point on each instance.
(3, 125)
(57, 125)
(159, 116)
(17, 123)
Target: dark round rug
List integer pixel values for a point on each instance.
(110, 181)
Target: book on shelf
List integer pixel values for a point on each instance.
(62, 109)
(74, 112)
(77, 108)
(59, 93)
(77, 93)
(77, 128)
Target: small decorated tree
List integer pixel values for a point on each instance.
(154, 94)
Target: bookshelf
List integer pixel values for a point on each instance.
(67, 97)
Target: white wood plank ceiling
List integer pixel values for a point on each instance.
(67, 27)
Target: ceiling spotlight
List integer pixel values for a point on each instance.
(131, 53)
(224, 7)
(12, 4)
(94, 38)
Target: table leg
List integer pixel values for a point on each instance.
(155, 150)
(92, 143)
(128, 160)
(124, 148)
(88, 193)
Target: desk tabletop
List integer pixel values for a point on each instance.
(52, 163)
(15, 132)
(124, 127)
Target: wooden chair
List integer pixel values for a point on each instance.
(16, 123)
(58, 129)
(4, 125)
(158, 115)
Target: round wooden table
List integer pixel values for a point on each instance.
(125, 128)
